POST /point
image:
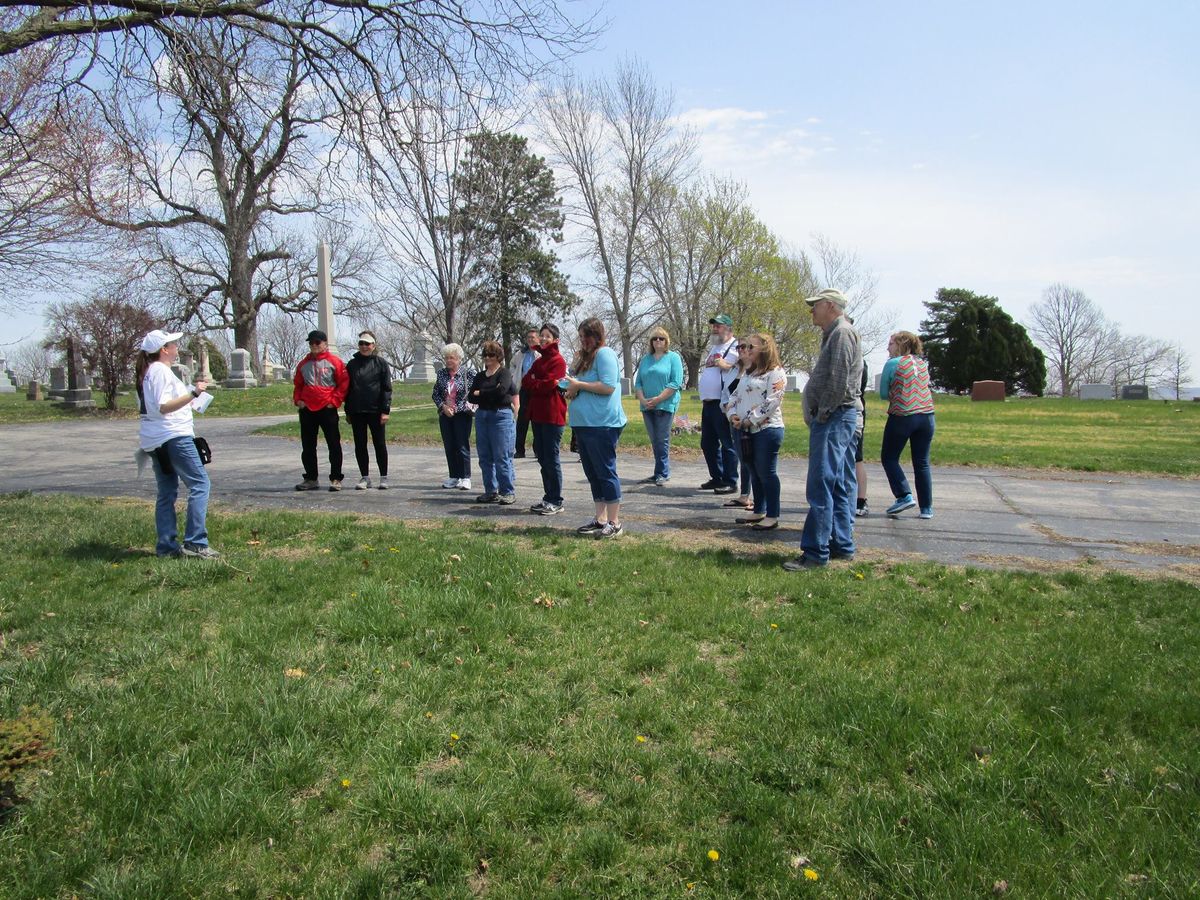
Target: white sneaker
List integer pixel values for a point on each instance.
(363, 483)
(383, 485)
(451, 482)
(464, 484)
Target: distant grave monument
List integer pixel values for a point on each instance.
(205, 373)
(1095, 392)
(240, 374)
(793, 384)
(8, 384)
(34, 392)
(1135, 392)
(421, 369)
(78, 394)
(987, 391)
(58, 382)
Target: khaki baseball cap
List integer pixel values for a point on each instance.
(837, 298)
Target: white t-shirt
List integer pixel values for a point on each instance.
(160, 385)
(712, 378)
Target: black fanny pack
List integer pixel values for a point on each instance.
(164, 458)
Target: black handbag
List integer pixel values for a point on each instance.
(164, 458)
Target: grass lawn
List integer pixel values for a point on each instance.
(1109, 436)
(362, 707)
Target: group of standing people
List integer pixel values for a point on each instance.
(741, 386)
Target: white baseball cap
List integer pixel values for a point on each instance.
(157, 339)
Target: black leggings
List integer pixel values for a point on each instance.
(360, 422)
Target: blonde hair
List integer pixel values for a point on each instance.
(908, 344)
(766, 357)
(657, 331)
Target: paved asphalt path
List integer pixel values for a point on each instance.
(988, 517)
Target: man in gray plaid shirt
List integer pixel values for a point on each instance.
(832, 405)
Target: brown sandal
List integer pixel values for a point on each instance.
(738, 503)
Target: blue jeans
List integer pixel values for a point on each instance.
(743, 466)
(832, 486)
(716, 443)
(495, 439)
(456, 439)
(188, 468)
(598, 453)
(658, 427)
(917, 431)
(547, 439)
(764, 470)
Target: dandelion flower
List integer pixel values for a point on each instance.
(641, 739)
(858, 575)
(429, 715)
(454, 737)
(713, 855)
(811, 874)
(773, 625)
(345, 784)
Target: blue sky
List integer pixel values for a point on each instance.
(999, 148)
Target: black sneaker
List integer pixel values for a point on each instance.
(803, 562)
(610, 530)
(506, 499)
(725, 489)
(590, 528)
(710, 484)
(487, 498)
(308, 484)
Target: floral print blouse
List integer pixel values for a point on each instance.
(462, 381)
(758, 399)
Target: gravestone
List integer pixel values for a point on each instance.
(185, 360)
(182, 373)
(1095, 392)
(1135, 392)
(205, 373)
(78, 394)
(325, 320)
(58, 382)
(240, 375)
(626, 387)
(988, 391)
(421, 369)
(793, 384)
(8, 383)
(34, 392)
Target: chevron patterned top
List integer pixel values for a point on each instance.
(908, 388)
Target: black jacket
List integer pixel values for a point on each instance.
(370, 385)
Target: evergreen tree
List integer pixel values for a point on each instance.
(969, 338)
(508, 195)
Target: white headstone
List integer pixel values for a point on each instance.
(422, 370)
(8, 384)
(793, 384)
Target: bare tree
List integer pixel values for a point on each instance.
(108, 326)
(1178, 371)
(232, 180)
(42, 236)
(845, 270)
(616, 142)
(283, 335)
(1073, 332)
(32, 361)
(1138, 359)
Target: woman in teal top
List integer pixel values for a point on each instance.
(658, 383)
(593, 389)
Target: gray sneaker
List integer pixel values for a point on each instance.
(308, 484)
(506, 499)
(200, 551)
(383, 485)
(610, 530)
(590, 528)
(548, 509)
(363, 483)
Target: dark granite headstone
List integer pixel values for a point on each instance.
(988, 391)
(1135, 392)
(78, 394)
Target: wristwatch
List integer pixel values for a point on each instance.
(196, 392)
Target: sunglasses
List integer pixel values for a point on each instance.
(491, 356)
(658, 338)
(366, 343)
(745, 347)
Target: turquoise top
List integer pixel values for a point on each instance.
(656, 375)
(589, 410)
(885, 377)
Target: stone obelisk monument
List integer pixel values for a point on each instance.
(325, 296)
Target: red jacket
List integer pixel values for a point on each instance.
(320, 381)
(546, 405)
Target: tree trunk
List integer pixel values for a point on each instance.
(245, 337)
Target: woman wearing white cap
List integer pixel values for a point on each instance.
(166, 434)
